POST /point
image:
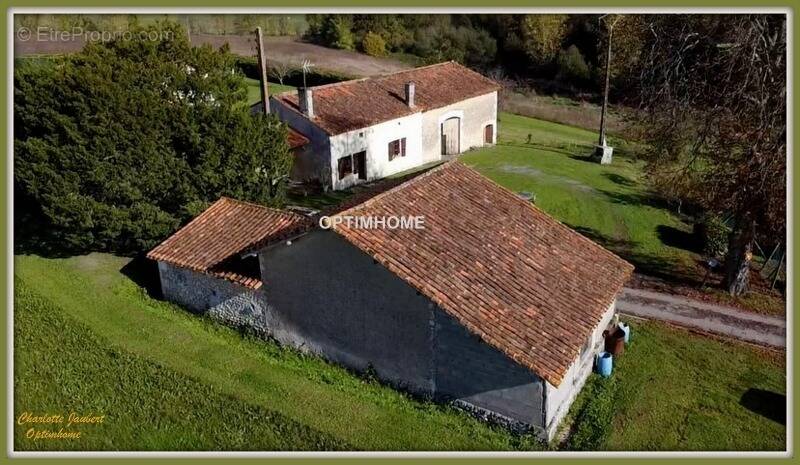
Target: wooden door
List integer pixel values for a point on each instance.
(488, 134)
(450, 136)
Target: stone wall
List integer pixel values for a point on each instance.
(227, 302)
(312, 162)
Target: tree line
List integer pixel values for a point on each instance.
(567, 49)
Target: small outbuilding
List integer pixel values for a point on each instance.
(491, 304)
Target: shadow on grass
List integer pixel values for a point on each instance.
(569, 152)
(144, 272)
(679, 239)
(617, 179)
(664, 268)
(635, 198)
(768, 404)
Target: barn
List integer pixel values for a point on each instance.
(370, 128)
(491, 305)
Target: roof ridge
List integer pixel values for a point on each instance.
(339, 83)
(379, 76)
(403, 71)
(253, 204)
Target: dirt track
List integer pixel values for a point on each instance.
(280, 49)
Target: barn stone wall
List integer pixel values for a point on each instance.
(329, 298)
(227, 302)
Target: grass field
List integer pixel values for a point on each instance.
(91, 340)
(608, 203)
(674, 391)
(254, 89)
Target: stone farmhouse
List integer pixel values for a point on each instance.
(493, 305)
(369, 128)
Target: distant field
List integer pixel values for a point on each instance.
(89, 339)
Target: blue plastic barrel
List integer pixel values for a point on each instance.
(627, 330)
(604, 364)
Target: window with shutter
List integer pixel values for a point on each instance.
(397, 148)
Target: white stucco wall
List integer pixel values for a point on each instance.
(475, 114)
(375, 140)
(558, 400)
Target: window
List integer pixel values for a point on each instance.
(397, 148)
(353, 164)
(345, 166)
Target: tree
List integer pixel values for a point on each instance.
(572, 66)
(373, 45)
(542, 36)
(628, 40)
(714, 96)
(115, 146)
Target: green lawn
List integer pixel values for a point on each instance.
(254, 89)
(91, 340)
(608, 203)
(674, 391)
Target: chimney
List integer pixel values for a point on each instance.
(306, 98)
(410, 88)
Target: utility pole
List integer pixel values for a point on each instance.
(262, 69)
(602, 140)
(604, 152)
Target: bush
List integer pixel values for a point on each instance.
(572, 66)
(713, 233)
(373, 45)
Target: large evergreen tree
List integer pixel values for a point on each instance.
(116, 146)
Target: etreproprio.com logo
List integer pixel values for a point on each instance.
(77, 33)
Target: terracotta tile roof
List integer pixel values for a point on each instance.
(213, 241)
(523, 282)
(350, 105)
(296, 138)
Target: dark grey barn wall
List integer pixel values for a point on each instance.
(222, 300)
(329, 298)
(473, 372)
